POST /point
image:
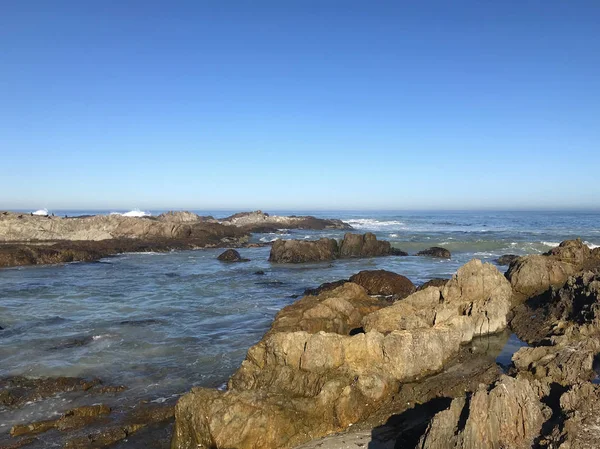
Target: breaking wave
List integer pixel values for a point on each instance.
(43, 212)
(373, 224)
(133, 213)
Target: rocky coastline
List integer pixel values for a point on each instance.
(372, 359)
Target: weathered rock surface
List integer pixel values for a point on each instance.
(384, 283)
(307, 377)
(231, 255)
(436, 251)
(258, 219)
(300, 251)
(509, 416)
(533, 275)
(352, 245)
(364, 245)
(184, 217)
(18, 390)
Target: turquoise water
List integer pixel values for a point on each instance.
(161, 323)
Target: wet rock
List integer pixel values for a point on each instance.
(73, 343)
(259, 273)
(326, 286)
(18, 444)
(384, 283)
(364, 245)
(300, 251)
(73, 419)
(16, 391)
(231, 255)
(435, 282)
(507, 259)
(308, 377)
(508, 416)
(141, 322)
(436, 251)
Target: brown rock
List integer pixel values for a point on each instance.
(231, 255)
(367, 245)
(384, 283)
(435, 282)
(300, 251)
(509, 416)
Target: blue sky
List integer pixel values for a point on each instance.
(300, 104)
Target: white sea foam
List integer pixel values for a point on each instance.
(133, 213)
(393, 235)
(552, 244)
(43, 212)
(373, 224)
(591, 245)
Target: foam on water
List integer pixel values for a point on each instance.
(374, 224)
(43, 212)
(133, 213)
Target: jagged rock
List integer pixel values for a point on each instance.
(299, 251)
(476, 300)
(307, 377)
(384, 283)
(507, 259)
(364, 245)
(532, 275)
(18, 390)
(231, 255)
(326, 286)
(436, 251)
(509, 416)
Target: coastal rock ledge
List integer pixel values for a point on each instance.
(333, 359)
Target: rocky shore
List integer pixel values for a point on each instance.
(345, 360)
(27, 239)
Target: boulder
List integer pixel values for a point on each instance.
(509, 416)
(506, 259)
(435, 251)
(300, 251)
(313, 373)
(364, 245)
(533, 275)
(231, 255)
(384, 283)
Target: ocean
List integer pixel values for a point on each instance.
(161, 323)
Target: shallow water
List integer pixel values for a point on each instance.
(161, 323)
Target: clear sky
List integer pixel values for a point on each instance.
(300, 104)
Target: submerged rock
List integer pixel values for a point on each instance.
(231, 255)
(384, 283)
(435, 251)
(308, 377)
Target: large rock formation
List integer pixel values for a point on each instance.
(352, 245)
(299, 251)
(184, 217)
(307, 377)
(259, 219)
(532, 275)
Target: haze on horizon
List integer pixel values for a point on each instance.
(300, 105)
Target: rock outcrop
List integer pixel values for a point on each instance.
(184, 217)
(231, 255)
(384, 283)
(436, 251)
(308, 377)
(533, 275)
(351, 246)
(300, 251)
(509, 416)
(259, 219)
